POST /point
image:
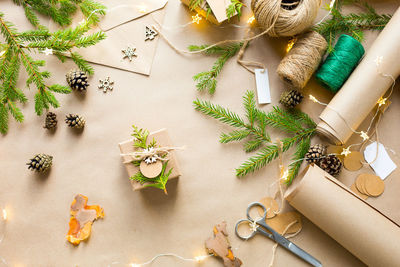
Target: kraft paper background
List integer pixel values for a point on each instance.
(139, 225)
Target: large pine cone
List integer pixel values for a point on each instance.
(331, 164)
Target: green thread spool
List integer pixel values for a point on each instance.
(340, 63)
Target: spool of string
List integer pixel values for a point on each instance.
(285, 17)
(340, 63)
(297, 67)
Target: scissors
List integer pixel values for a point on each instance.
(267, 231)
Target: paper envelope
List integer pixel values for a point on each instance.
(124, 25)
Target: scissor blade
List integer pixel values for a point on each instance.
(297, 251)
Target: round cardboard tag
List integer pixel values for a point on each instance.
(353, 161)
(151, 170)
(271, 205)
(374, 185)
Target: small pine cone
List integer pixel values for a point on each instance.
(75, 121)
(40, 163)
(77, 80)
(51, 121)
(291, 98)
(331, 164)
(315, 153)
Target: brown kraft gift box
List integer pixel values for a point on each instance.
(163, 140)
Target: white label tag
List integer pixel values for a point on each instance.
(383, 165)
(262, 82)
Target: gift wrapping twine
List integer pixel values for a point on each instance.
(361, 229)
(303, 59)
(368, 82)
(340, 63)
(285, 18)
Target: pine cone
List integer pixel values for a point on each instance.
(51, 121)
(315, 153)
(291, 98)
(77, 80)
(40, 163)
(75, 121)
(331, 164)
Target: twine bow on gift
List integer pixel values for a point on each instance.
(154, 153)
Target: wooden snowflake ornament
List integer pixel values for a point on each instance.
(106, 84)
(129, 52)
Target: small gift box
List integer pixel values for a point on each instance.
(218, 10)
(163, 141)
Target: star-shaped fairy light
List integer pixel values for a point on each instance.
(382, 101)
(196, 19)
(346, 152)
(142, 8)
(378, 61)
(47, 51)
(251, 20)
(150, 33)
(106, 84)
(129, 52)
(313, 99)
(364, 135)
(290, 44)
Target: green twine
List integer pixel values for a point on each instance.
(340, 63)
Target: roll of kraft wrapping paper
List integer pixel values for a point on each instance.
(357, 226)
(365, 85)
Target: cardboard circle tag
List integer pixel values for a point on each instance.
(353, 161)
(271, 205)
(374, 185)
(360, 183)
(358, 193)
(151, 170)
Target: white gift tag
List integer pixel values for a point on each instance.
(383, 165)
(262, 82)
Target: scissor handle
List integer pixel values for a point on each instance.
(237, 232)
(251, 206)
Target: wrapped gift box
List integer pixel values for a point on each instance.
(218, 8)
(163, 140)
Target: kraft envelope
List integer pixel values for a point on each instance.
(124, 25)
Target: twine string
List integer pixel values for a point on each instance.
(159, 153)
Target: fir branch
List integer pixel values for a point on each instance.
(82, 64)
(139, 137)
(294, 167)
(298, 124)
(353, 24)
(236, 135)
(234, 8)
(159, 182)
(207, 80)
(18, 47)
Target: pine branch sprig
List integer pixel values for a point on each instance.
(234, 8)
(159, 182)
(207, 80)
(296, 123)
(353, 23)
(17, 48)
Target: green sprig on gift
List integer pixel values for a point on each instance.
(17, 48)
(297, 124)
(159, 182)
(140, 137)
(207, 80)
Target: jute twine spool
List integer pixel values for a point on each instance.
(303, 59)
(286, 19)
(340, 63)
